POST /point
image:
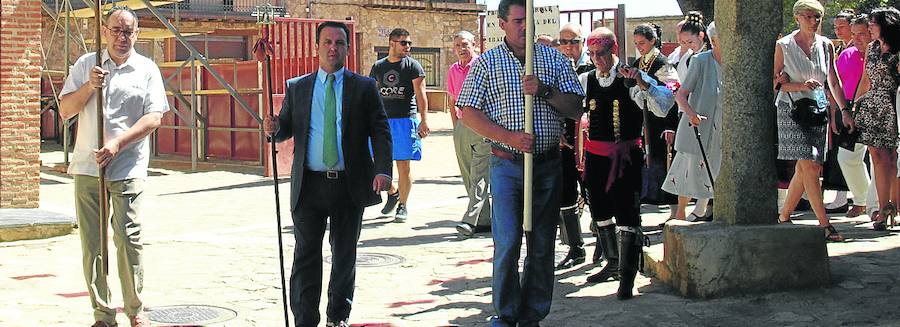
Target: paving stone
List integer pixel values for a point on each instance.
(851, 285)
(790, 317)
(210, 239)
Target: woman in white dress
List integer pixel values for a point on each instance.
(698, 98)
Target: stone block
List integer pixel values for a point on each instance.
(708, 260)
(32, 224)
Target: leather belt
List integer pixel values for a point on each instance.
(519, 157)
(331, 174)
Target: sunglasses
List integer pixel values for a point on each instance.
(815, 16)
(567, 42)
(404, 43)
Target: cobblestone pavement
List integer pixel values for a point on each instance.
(210, 238)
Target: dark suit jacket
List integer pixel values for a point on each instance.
(363, 118)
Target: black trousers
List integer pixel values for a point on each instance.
(569, 178)
(320, 199)
(623, 200)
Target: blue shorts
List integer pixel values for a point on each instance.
(405, 138)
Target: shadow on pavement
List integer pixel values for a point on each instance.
(407, 241)
(261, 183)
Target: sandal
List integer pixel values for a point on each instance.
(879, 220)
(885, 215)
(787, 221)
(663, 224)
(891, 212)
(693, 218)
(832, 234)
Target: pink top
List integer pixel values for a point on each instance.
(850, 67)
(455, 78)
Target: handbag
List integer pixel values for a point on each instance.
(844, 138)
(807, 112)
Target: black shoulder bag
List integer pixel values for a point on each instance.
(845, 139)
(807, 112)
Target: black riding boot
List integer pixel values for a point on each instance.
(631, 242)
(598, 246)
(572, 229)
(606, 238)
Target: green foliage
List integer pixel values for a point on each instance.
(832, 8)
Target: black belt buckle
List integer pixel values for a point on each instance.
(331, 174)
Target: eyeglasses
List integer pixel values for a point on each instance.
(119, 32)
(404, 43)
(814, 16)
(572, 41)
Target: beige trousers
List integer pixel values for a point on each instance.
(125, 202)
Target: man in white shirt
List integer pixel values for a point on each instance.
(134, 101)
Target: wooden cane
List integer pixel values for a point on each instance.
(102, 192)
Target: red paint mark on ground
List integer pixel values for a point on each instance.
(33, 276)
(473, 262)
(372, 324)
(71, 295)
(405, 303)
(438, 281)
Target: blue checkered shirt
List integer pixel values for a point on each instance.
(494, 86)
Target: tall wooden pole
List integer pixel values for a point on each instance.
(263, 51)
(101, 116)
(529, 112)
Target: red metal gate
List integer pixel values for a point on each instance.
(230, 132)
(294, 42)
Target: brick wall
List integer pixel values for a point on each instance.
(20, 70)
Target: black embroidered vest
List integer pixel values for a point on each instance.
(607, 123)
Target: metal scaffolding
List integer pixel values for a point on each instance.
(194, 119)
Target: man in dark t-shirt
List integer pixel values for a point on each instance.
(401, 81)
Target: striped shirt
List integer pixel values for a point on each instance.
(494, 86)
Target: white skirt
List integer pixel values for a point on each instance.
(688, 176)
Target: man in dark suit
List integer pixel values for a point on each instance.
(334, 175)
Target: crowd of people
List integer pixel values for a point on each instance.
(608, 134)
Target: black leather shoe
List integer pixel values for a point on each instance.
(576, 256)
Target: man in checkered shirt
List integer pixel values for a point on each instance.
(493, 104)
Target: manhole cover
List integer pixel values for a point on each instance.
(190, 314)
(374, 259)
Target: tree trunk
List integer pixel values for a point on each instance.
(706, 7)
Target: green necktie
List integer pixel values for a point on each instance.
(329, 148)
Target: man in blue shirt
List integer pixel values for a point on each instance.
(331, 114)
